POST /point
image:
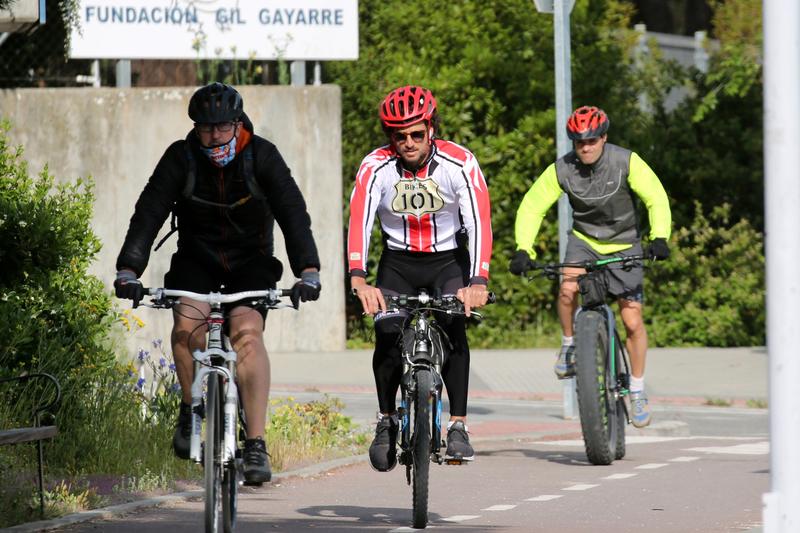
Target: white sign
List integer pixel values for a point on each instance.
(217, 29)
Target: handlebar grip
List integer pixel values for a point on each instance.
(285, 292)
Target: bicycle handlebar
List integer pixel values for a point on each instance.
(589, 266)
(163, 297)
(447, 302)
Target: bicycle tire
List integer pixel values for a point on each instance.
(597, 407)
(211, 464)
(421, 442)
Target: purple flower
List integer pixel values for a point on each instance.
(162, 363)
(130, 373)
(143, 354)
(157, 344)
(140, 383)
(176, 387)
(172, 367)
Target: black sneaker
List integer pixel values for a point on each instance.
(256, 461)
(183, 432)
(458, 446)
(383, 450)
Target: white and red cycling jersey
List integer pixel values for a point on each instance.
(421, 212)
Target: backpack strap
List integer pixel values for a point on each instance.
(248, 166)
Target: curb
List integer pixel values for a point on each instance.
(156, 501)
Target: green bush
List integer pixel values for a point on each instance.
(711, 291)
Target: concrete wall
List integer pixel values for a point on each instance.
(117, 136)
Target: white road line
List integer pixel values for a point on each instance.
(461, 517)
(545, 498)
(684, 459)
(581, 486)
(620, 476)
(754, 448)
(651, 466)
(499, 508)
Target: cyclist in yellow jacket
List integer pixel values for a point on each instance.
(601, 181)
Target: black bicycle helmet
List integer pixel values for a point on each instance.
(215, 103)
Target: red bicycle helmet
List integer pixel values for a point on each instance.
(407, 105)
(587, 122)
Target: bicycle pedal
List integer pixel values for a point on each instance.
(453, 461)
(252, 483)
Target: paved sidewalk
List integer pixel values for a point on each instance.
(673, 375)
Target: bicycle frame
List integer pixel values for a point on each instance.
(424, 355)
(218, 347)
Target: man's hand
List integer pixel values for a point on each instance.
(520, 263)
(473, 296)
(371, 297)
(308, 288)
(127, 286)
(658, 249)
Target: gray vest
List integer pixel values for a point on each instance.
(603, 204)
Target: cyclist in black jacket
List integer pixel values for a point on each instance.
(227, 187)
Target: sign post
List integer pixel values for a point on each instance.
(561, 10)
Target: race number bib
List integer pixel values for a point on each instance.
(417, 197)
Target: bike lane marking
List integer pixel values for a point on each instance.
(461, 517)
(499, 507)
(684, 459)
(545, 498)
(581, 486)
(620, 476)
(750, 448)
(650, 466)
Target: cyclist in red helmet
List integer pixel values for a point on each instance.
(430, 195)
(601, 181)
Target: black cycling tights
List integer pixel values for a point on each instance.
(387, 366)
(406, 273)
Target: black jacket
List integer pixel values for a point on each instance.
(214, 235)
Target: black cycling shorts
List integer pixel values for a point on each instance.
(188, 274)
(407, 272)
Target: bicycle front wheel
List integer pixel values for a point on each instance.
(212, 453)
(230, 496)
(421, 443)
(599, 409)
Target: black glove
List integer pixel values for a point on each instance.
(306, 289)
(658, 249)
(127, 286)
(520, 263)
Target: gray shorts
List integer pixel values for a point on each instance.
(622, 284)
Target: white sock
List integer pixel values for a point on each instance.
(637, 384)
(451, 422)
(567, 341)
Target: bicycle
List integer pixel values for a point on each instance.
(602, 365)
(424, 352)
(220, 453)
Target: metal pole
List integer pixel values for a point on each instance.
(317, 73)
(561, 38)
(782, 218)
(298, 72)
(123, 73)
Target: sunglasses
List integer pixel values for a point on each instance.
(222, 127)
(416, 136)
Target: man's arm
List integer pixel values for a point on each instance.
(644, 182)
(152, 208)
(364, 202)
(289, 207)
(475, 208)
(544, 192)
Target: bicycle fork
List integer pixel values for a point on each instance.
(204, 369)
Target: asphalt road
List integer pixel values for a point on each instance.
(708, 477)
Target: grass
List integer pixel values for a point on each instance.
(298, 434)
(718, 402)
(757, 403)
